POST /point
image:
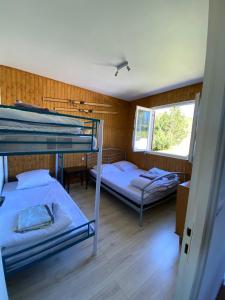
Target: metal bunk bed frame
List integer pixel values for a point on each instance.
(67, 239)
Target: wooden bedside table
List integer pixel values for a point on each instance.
(181, 207)
(74, 172)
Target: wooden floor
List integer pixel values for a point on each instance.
(132, 262)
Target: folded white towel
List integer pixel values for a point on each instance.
(10, 238)
(35, 217)
(140, 182)
(156, 186)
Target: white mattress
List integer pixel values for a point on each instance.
(120, 182)
(29, 116)
(16, 200)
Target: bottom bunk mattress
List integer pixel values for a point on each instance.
(119, 181)
(19, 249)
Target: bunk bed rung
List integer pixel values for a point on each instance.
(12, 271)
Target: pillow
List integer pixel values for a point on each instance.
(125, 165)
(33, 178)
(107, 168)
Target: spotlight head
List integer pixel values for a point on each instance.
(128, 68)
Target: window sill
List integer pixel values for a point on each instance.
(167, 155)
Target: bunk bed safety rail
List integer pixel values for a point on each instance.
(45, 132)
(66, 240)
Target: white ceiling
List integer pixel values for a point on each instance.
(79, 41)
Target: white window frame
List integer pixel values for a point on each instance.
(135, 126)
(151, 129)
(194, 128)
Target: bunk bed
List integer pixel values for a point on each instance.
(30, 132)
(118, 182)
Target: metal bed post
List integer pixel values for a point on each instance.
(141, 209)
(61, 167)
(98, 185)
(56, 165)
(5, 167)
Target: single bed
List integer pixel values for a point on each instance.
(18, 251)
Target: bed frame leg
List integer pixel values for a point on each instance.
(141, 217)
(141, 210)
(95, 246)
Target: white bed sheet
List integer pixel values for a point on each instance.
(16, 200)
(120, 182)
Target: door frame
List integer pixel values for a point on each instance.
(207, 167)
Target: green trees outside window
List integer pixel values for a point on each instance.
(170, 129)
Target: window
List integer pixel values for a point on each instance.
(164, 130)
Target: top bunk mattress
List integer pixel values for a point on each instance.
(17, 200)
(119, 181)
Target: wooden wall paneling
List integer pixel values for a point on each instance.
(31, 88)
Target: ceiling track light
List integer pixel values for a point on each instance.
(121, 66)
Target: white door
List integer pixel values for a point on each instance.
(202, 262)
